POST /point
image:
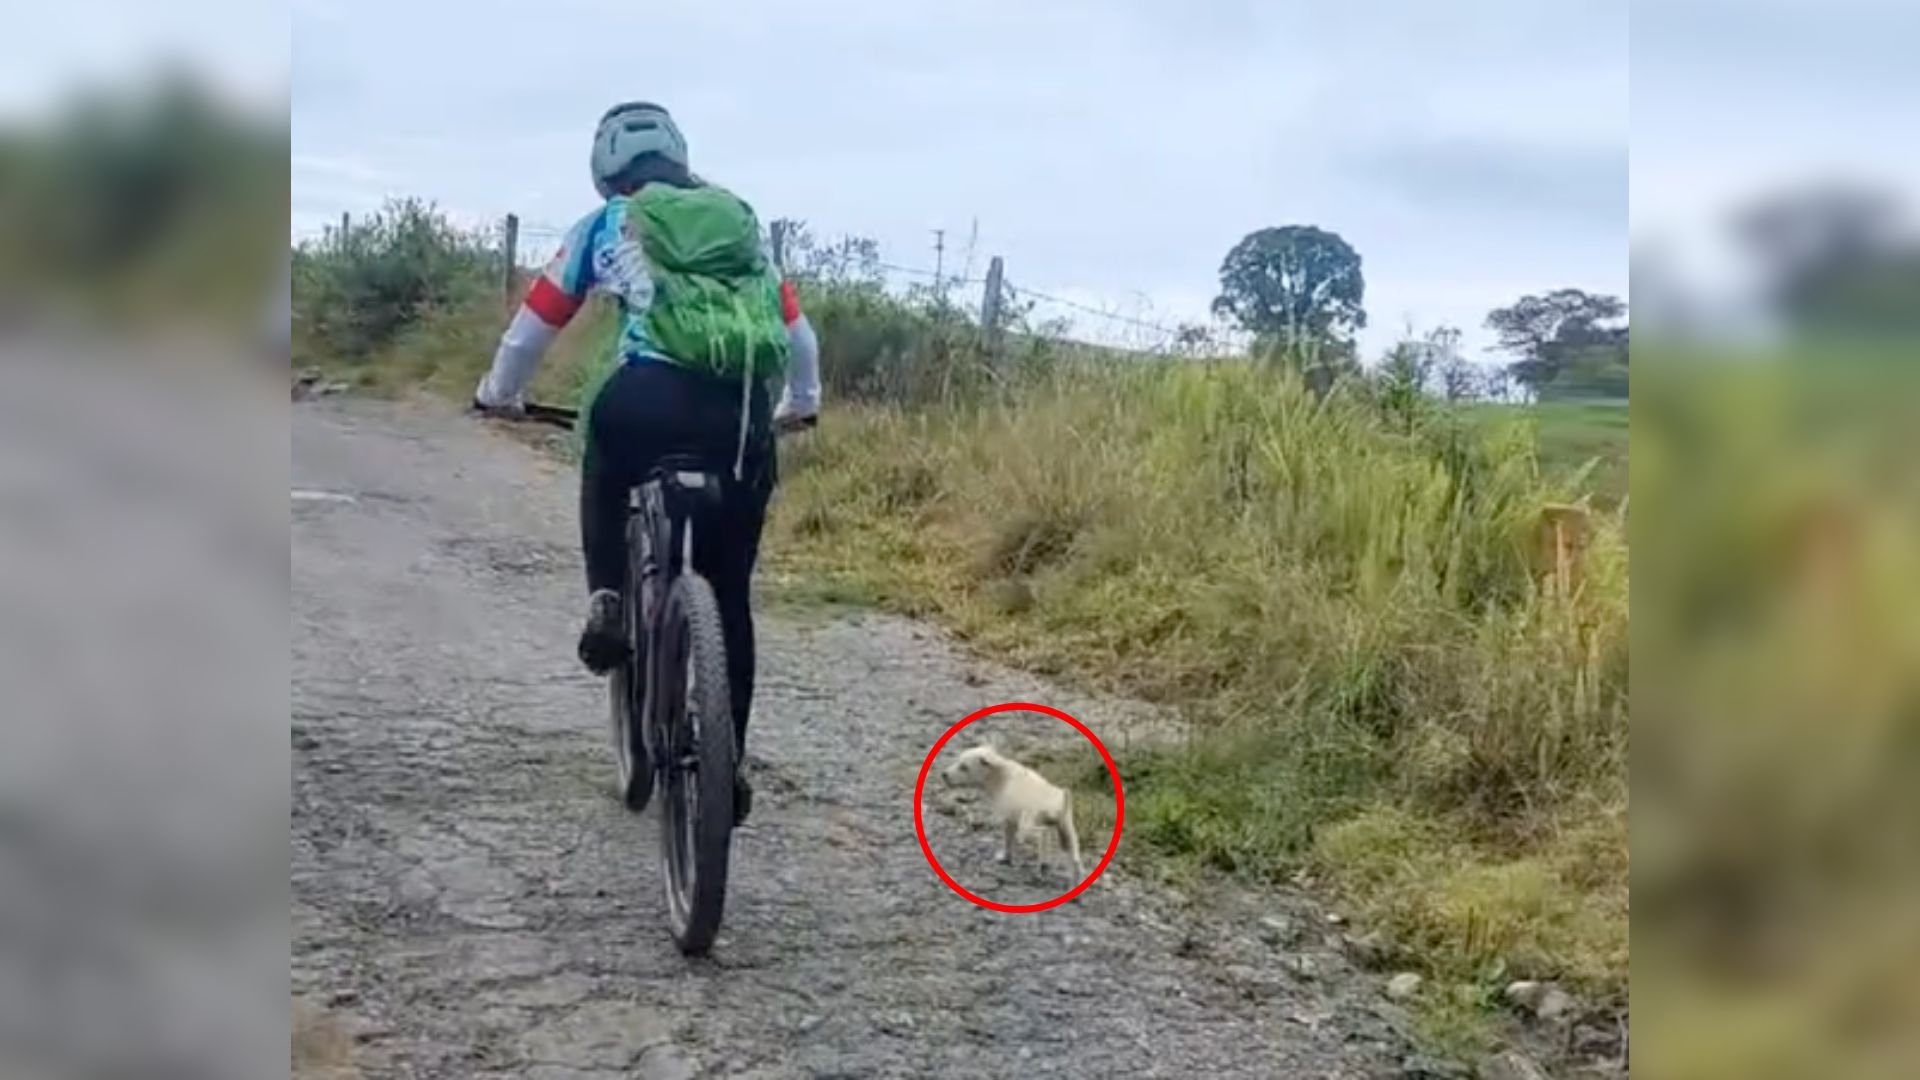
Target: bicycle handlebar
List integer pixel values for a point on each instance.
(566, 418)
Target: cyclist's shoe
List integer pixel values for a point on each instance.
(603, 646)
(742, 799)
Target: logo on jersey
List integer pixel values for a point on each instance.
(620, 266)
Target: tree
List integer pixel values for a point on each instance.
(1836, 258)
(850, 260)
(1417, 367)
(1402, 380)
(1298, 284)
(1193, 339)
(1549, 331)
(1806, 230)
(1459, 379)
(1496, 383)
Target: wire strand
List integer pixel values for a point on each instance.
(544, 234)
(1089, 310)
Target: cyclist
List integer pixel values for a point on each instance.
(705, 321)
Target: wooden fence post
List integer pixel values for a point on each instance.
(1561, 536)
(513, 254)
(990, 304)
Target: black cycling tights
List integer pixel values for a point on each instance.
(648, 411)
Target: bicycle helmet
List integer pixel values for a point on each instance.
(629, 132)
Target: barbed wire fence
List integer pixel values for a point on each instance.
(527, 245)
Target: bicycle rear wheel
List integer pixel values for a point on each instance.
(696, 813)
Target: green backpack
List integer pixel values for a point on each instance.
(716, 301)
(716, 298)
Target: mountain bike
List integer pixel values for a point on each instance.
(684, 744)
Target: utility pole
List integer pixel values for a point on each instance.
(939, 262)
(779, 228)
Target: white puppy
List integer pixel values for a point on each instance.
(1023, 799)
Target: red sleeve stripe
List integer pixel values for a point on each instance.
(550, 302)
(789, 302)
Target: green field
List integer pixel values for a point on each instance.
(1575, 435)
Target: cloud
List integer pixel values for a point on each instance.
(344, 168)
(1583, 186)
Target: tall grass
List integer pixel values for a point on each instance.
(1576, 439)
(1777, 775)
(1384, 692)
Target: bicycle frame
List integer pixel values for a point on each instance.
(680, 728)
(662, 512)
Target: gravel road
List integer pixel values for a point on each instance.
(469, 900)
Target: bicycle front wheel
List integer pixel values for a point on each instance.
(697, 723)
(624, 704)
(627, 684)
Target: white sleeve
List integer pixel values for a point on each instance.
(802, 396)
(552, 299)
(521, 347)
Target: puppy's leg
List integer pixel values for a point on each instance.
(1009, 831)
(1069, 840)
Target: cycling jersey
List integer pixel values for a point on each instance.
(595, 256)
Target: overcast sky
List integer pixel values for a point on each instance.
(1734, 100)
(1112, 151)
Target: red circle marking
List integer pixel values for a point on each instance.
(1119, 808)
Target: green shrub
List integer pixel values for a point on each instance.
(356, 293)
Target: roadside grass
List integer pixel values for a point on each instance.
(1381, 693)
(1576, 435)
(449, 350)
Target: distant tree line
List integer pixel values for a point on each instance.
(1301, 291)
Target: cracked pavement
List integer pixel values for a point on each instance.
(470, 900)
